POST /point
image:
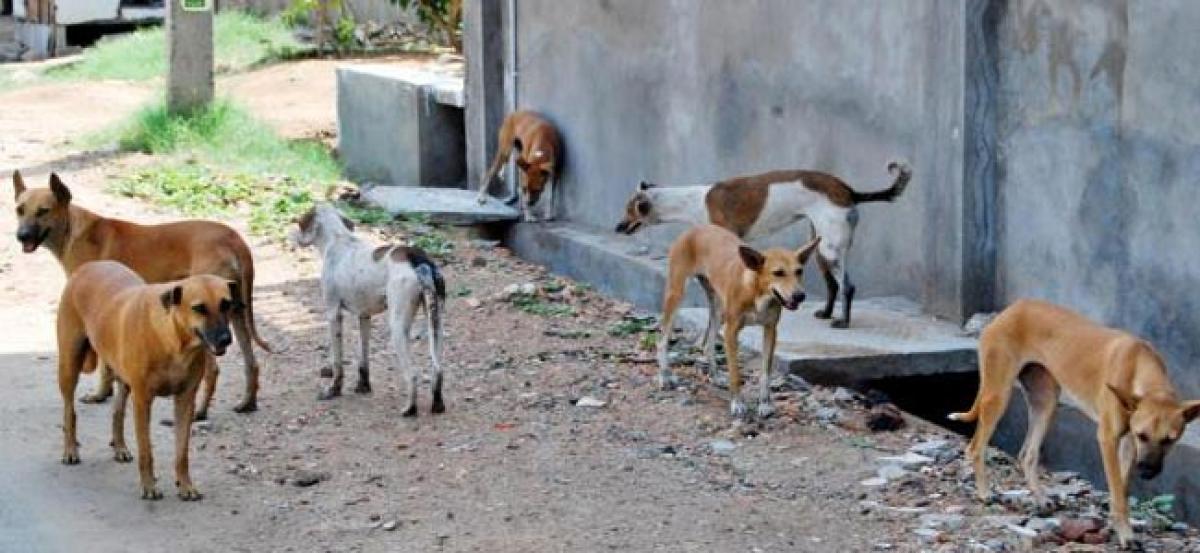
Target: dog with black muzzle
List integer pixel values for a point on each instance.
(158, 339)
(1118, 380)
(748, 287)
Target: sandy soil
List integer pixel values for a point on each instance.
(515, 465)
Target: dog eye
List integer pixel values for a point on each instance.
(20, 210)
(780, 273)
(225, 305)
(200, 309)
(1143, 437)
(41, 211)
(799, 272)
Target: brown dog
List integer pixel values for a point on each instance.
(158, 338)
(538, 157)
(158, 253)
(1119, 380)
(748, 288)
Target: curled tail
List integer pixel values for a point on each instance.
(246, 270)
(901, 174)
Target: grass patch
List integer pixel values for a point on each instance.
(240, 40)
(223, 162)
(532, 304)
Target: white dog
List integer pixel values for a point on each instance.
(367, 280)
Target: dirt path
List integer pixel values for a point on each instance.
(515, 465)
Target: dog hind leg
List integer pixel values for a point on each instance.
(241, 331)
(831, 289)
(996, 373)
(104, 386)
(402, 299)
(434, 306)
(1041, 397)
(364, 355)
(672, 296)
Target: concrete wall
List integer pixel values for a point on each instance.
(680, 92)
(1099, 132)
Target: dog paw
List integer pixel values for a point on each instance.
(95, 398)
(151, 493)
(823, 313)
(70, 457)
(329, 393)
(737, 409)
(246, 406)
(325, 372)
(363, 387)
(190, 493)
(122, 455)
(200, 415)
(840, 323)
(666, 381)
(411, 411)
(438, 407)
(765, 409)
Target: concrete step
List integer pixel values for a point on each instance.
(888, 337)
(442, 205)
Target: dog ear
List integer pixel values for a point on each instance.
(171, 297)
(18, 185)
(1191, 409)
(346, 222)
(1128, 401)
(750, 256)
(524, 165)
(61, 192)
(806, 251)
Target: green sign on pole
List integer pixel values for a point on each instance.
(196, 5)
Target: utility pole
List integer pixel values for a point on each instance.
(189, 55)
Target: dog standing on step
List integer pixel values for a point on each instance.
(367, 280)
(760, 205)
(159, 339)
(157, 253)
(538, 156)
(749, 288)
(1120, 381)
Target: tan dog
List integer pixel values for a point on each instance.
(1119, 380)
(538, 157)
(158, 253)
(158, 338)
(748, 288)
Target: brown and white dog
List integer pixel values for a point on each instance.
(749, 288)
(1119, 380)
(538, 157)
(158, 253)
(760, 205)
(159, 339)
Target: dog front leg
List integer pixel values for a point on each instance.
(211, 372)
(364, 355)
(550, 201)
(104, 386)
(141, 425)
(120, 449)
(736, 407)
(185, 404)
(1118, 498)
(335, 355)
(765, 407)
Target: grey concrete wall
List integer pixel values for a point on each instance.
(1099, 128)
(680, 92)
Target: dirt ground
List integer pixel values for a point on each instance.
(514, 465)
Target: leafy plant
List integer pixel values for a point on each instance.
(444, 16)
(532, 304)
(631, 325)
(1158, 511)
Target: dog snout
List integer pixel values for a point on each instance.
(26, 233)
(798, 297)
(219, 339)
(1148, 471)
(622, 226)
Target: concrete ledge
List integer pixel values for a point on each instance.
(888, 338)
(442, 205)
(401, 126)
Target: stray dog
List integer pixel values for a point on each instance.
(1120, 381)
(157, 253)
(760, 205)
(749, 288)
(367, 280)
(538, 155)
(159, 339)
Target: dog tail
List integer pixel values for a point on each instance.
(901, 174)
(969, 416)
(246, 268)
(434, 292)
